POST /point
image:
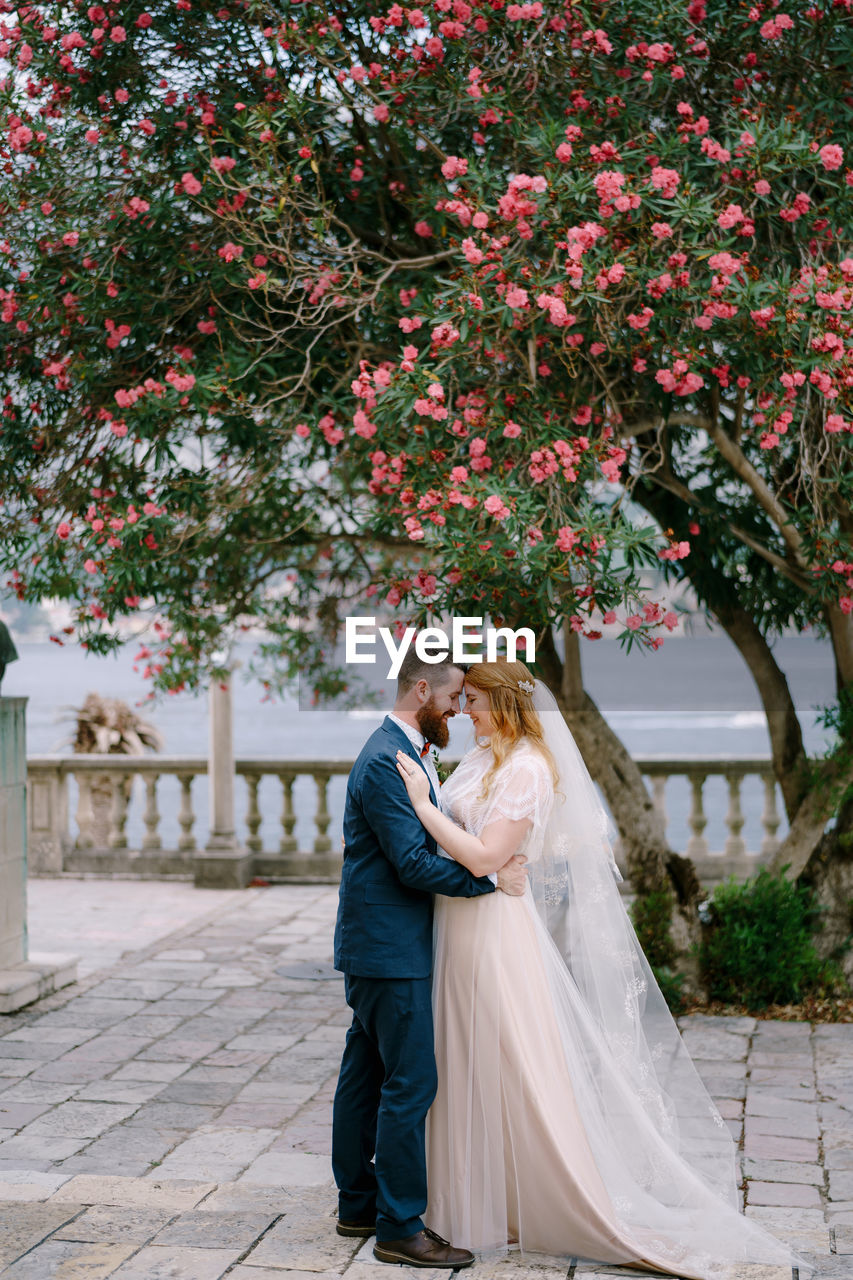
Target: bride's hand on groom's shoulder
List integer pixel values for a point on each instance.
(512, 877)
(416, 780)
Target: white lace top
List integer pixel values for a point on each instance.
(521, 788)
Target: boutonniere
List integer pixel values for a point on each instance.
(441, 768)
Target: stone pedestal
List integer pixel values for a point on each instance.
(222, 864)
(23, 977)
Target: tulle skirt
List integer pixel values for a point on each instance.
(536, 1139)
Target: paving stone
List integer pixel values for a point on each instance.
(296, 1244)
(282, 1168)
(30, 1184)
(840, 1185)
(133, 988)
(22, 1226)
(136, 1193)
(69, 1260)
(80, 1119)
(172, 1115)
(243, 1272)
(794, 1194)
(165, 1262)
(153, 1070)
(827, 1267)
(247, 1197)
(760, 1102)
(41, 1147)
(196, 1091)
(760, 1146)
(783, 1171)
(782, 1127)
(212, 1230)
(44, 1032)
(111, 1224)
(217, 1154)
(112, 1090)
(838, 1158)
(14, 1115)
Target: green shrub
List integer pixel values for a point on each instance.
(758, 946)
(652, 916)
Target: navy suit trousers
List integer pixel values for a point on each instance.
(386, 1087)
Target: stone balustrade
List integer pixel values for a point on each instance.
(82, 810)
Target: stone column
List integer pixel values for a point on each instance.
(23, 977)
(223, 864)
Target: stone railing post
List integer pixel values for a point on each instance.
(222, 864)
(23, 978)
(48, 840)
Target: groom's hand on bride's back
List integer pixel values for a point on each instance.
(512, 877)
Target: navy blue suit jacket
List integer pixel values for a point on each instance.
(391, 870)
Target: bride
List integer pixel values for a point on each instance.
(569, 1117)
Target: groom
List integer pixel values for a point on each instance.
(383, 945)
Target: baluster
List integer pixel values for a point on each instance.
(659, 782)
(288, 817)
(118, 811)
(770, 817)
(322, 818)
(151, 839)
(253, 816)
(186, 817)
(85, 812)
(697, 845)
(735, 846)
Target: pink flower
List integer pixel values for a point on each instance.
(222, 164)
(517, 298)
(831, 156)
(608, 183)
(564, 152)
(92, 135)
(71, 239)
(512, 430)
(118, 35)
(495, 507)
(190, 184)
(634, 622)
(472, 253)
(256, 282)
(230, 251)
(834, 423)
(730, 217)
(762, 187)
(423, 229)
(661, 230)
(180, 381)
(381, 113)
(609, 617)
(665, 181)
(143, 21)
(845, 604)
(670, 620)
(454, 167)
(566, 538)
(90, 566)
(63, 530)
(148, 127)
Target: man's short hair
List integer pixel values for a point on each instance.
(413, 669)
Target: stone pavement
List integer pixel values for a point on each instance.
(170, 1116)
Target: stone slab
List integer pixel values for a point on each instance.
(111, 1224)
(31, 1185)
(783, 1171)
(160, 1262)
(40, 976)
(136, 1193)
(23, 1226)
(794, 1194)
(69, 1260)
(282, 1168)
(211, 1230)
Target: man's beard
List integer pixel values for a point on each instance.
(432, 724)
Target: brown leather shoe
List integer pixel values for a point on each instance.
(426, 1249)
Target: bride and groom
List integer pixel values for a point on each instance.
(496, 983)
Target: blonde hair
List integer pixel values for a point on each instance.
(511, 710)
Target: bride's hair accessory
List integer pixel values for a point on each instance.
(526, 686)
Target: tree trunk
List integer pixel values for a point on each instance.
(786, 736)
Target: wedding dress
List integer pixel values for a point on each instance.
(569, 1116)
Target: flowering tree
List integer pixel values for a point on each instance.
(480, 307)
